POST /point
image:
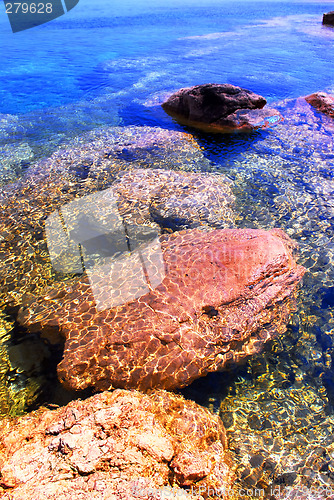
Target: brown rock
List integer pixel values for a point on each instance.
(120, 445)
(322, 102)
(221, 108)
(225, 293)
(328, 18)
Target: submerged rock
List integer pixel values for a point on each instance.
(221, 108)
(175, 199)
(322, 102)
(210, 299)
(13, 159)
(90, 164)
(115, 445)
(328, 18)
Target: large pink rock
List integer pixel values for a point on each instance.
(225, 293)
(221, 108)
(120, 445)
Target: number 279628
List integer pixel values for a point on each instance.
(25, 8)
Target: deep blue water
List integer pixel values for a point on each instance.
(128, 51)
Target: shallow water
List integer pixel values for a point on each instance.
(111, 66)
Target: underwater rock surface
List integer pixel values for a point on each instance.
(175, 200)
(279, 424)
(90, 164)
(221, 108)
(223, 294)
(87, 165)
(115, 445)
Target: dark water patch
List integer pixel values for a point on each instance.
(328, 298)
(31, 377)
(82, 171)
(328, 381)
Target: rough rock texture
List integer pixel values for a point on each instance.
(120, 445)
(174, 199)
(322, 102)
(224, 294)
(221, 108)
(328, 18)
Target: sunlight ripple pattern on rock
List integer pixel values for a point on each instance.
(225, 293)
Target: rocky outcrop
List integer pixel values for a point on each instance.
(328, 18)
(174, 199)
(220, 297)
(115, 445)
(221, 108)
(322, 102)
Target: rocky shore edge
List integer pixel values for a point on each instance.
(119, 445)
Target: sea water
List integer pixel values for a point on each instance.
(111, 64)
(108, 62)
(128, 52)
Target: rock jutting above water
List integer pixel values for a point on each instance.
(322, 102)
(328, 18)
(221, 108)
(115, 445)
(209, 299)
